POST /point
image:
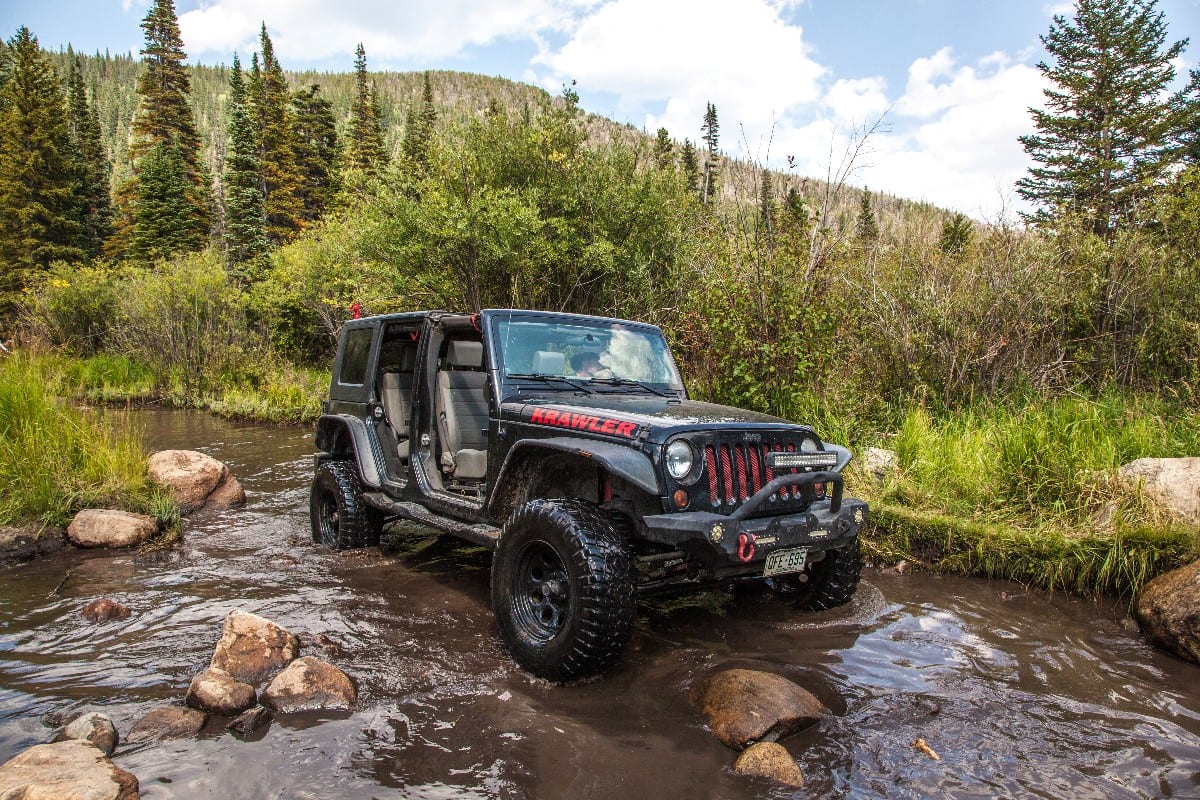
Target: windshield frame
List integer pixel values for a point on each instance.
(497, 322)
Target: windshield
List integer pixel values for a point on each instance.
(598, 352)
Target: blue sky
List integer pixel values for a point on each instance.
(951, 79)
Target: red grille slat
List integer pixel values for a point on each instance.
(739, 459)
(737, 471)
(755, 475)
(710, 465)
(727, 472)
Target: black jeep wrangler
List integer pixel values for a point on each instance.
(567, 445)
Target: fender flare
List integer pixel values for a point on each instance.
(624, 462)
(335, 428)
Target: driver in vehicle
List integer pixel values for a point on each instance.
(586, 364)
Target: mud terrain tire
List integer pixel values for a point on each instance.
(340, 519)
(832, 581)
(563, 589)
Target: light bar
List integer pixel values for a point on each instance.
(785, 460)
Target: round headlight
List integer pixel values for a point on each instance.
(679, 459)
(809, 445)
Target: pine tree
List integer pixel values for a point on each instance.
(664, 150)
(866, 227)
(92, 166)
(364, 138)
(316, 145)
(712, 159)
(38, 201)
(418, 134)
(246, 223)
(766, 202)
(1107, 134)
(690, 164)
(164, 130)
(281, 179)
(956, 235)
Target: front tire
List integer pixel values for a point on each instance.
(832, 581)
(563, 589)
(339, 518)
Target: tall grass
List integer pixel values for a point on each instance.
(57, 459)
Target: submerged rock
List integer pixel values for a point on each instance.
(309, 684)
(195, 480)
(95, 728)
(22, 544)
(249, 721)
(744, 705)
(167, 722)
(769, 760)
(218, 692)
(251, 648)
(70, 770)
(1169, 612)
(104, 527)
(104, 609)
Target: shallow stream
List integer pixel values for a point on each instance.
(1021, 693)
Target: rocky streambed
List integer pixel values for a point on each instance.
(924, 686)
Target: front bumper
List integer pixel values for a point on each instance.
(737, 544)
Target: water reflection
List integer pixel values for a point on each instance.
(1020, 693)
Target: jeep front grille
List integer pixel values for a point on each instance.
(736, 471)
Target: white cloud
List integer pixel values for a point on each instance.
(391, 32)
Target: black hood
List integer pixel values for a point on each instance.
(660, 417)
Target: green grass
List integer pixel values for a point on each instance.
(57, 459)
(1024, 491)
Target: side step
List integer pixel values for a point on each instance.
(480, 534)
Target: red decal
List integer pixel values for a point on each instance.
(626, 429)
(583, 422)
(538, 415)
(609, 426)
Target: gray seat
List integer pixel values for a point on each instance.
(548, 362)
(395, 395)
(463, 411)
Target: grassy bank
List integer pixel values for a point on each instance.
(1025, 491)
(57, 459)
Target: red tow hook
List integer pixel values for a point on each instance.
(745, 547)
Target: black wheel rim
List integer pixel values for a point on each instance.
(541, 593)
(328, 519)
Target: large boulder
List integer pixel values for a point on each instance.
(309, 684)
(1169, 612)
(1172, 482)
(103, 527)
(769, 760)
(218, 692)
(94, 728)
(70, 770)
(195, 480)
(22, 544)
(744, 706)
(167, 722)
(251, 648)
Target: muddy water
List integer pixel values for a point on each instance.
(1020, 693)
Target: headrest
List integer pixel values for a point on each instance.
(465, 354)
(548, 362)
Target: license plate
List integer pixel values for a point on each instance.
(781, 562)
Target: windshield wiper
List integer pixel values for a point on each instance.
(538, 376)
(632, 382)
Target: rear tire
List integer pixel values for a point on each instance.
(339, 518)
(832, 581)
(563, 589)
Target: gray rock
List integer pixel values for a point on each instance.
(1168, 611)
(103, 527)
(744, 705)
(309, 684)
(23, 544)
(1174, 483)
(167, 722)
(878, 463)
(252, 648)
(769, 760)
(218, 692)
(70, 770)
(95, 728)
(249, 721)
(195, 480)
